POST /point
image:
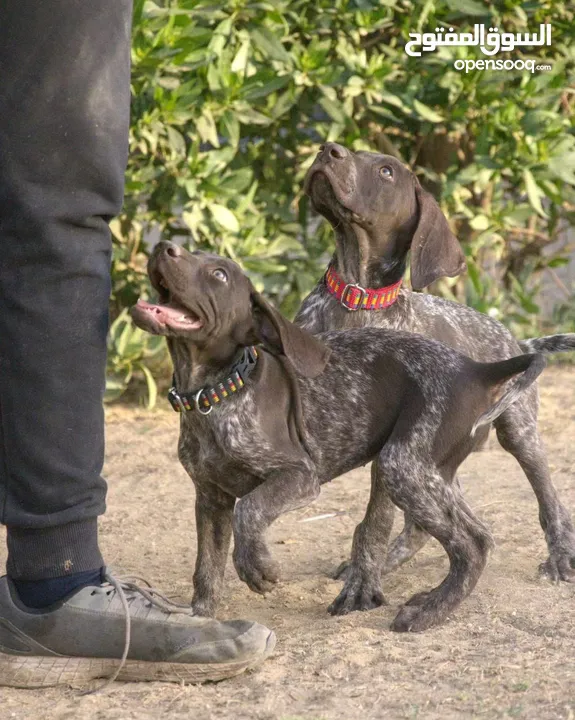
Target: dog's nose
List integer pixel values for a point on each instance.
(333, 150)
(170, 248)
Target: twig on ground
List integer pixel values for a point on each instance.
(323, 517)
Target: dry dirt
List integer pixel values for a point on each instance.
(508, 651)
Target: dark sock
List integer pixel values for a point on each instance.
(38, 594)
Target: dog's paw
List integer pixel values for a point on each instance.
(559, 566)
(256, 567)
(203, 609)
(359, 593)
(342, 571)
(411, 619)
(419, 613)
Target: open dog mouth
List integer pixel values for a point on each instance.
(171, 314)
(167, 311)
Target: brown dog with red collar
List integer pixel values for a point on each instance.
(380, 214)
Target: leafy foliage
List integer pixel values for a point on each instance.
(131, 350)
(232, 99)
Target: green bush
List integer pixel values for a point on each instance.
(232, 99)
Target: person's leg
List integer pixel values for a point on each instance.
(64, 104)
(64, 109)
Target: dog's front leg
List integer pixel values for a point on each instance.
(214, 515)
(285, 490)
(362, 589)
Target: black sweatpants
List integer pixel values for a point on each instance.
(64, 119)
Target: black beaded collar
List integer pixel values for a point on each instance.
(204, 399)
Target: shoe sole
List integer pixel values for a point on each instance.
(18, 671)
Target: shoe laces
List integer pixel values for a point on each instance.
(127, 589)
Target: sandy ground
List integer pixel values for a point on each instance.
(508, 651)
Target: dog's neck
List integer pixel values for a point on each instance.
(355, 263)
(197, 367)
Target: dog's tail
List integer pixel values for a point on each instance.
(549, 344)
(528, 367)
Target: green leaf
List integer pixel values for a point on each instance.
(137, 13)
(474, 276)
(220, 36)
(270, 45)
(529, 306)
(154, 346)
(124, 337)
(247, 198)
(468, 174)
(479, 222)
(214, 78)
(249, 116)
(232, 127)
(282, 245)
(169, 82)
(558, 262)
(240, 61)
(224, 217)
(385, 113)
(263, 90)
(426, 112)
(285, 102)
(396, 102)
(425, 11)
(176, 140)
(333, 109)
(206, 128)
(238, 180)
(563, 167)
(116, 384)
(468, 7)
(192, 219)
(136, 347)
(533, 193)
(518, 216)
(151, 385)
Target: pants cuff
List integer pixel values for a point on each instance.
(40, 553)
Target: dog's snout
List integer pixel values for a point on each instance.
(333, 150)
(169, 248)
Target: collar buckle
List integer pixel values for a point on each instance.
(175, 400)
(347, 294)
(349, 303)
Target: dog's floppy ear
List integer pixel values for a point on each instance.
(435, 251)
(307, 354)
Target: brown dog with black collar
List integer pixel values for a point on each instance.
(262, 429)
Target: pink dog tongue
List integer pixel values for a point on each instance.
(171, 314)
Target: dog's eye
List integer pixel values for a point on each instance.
(220, 274)
(386, 172)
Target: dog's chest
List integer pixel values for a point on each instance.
(226, 447)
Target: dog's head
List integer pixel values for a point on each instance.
(380, 195)
(206, 302)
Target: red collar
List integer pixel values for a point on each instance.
(355, 297)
